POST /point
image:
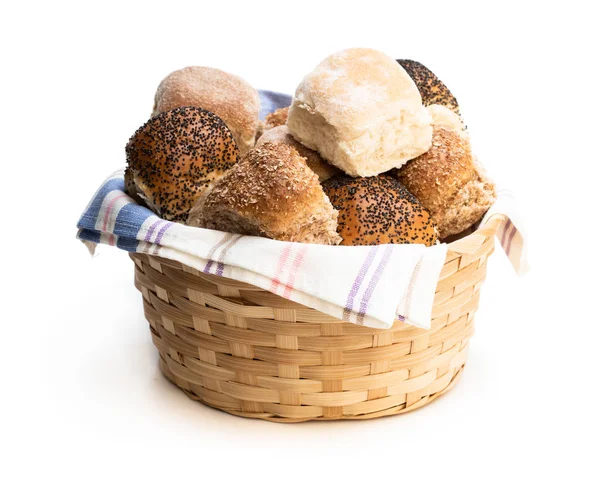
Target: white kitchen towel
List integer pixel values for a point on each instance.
(512, 234)
(367, 285)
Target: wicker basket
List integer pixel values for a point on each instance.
(251, 353)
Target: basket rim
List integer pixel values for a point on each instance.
(469, 243)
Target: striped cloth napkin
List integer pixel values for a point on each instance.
(511, 235)
(366, 285)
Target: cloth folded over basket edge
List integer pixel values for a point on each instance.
(368, 285)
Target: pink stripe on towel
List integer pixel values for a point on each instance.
(295, 267)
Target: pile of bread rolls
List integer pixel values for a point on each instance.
(372, 150)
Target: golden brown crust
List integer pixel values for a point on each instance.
(130, 187)
(227, 96)
(276, 118)
(270, 193)
(432, 89)
(175, 156)
(378, 210)
(448, 183)
(281, 134)
(246, 188)
(260, 129)
(436, 176)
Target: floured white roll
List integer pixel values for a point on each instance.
(362, 112)
(443, 116)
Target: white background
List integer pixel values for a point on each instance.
(83, 403)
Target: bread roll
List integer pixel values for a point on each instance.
(132, 190)
(378, 210)
(432, 89)
(225, 95)
(443, 116)
(271, 192)
(260, 129)
(362, 112)
(449, 183)
(274, 119)
(281, 134)
(174, 157)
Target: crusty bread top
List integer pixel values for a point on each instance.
(432, 89)
(436, 176)
(449, 182)
(268, 180)
(174, 156)
(228, 96)
(378, 210)
(276, 118)
(468, 206)
(351, 87)
(281, 134)
(271, 192)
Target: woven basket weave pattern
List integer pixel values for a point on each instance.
(251, 353)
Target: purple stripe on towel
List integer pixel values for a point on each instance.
(151, 229)
(364, 303)
(149, 233)
(223, 254)
(162, 232)
(504, 232)
(212, 251)
(358, 281)
(510, 238)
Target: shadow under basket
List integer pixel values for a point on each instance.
(246, 351)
